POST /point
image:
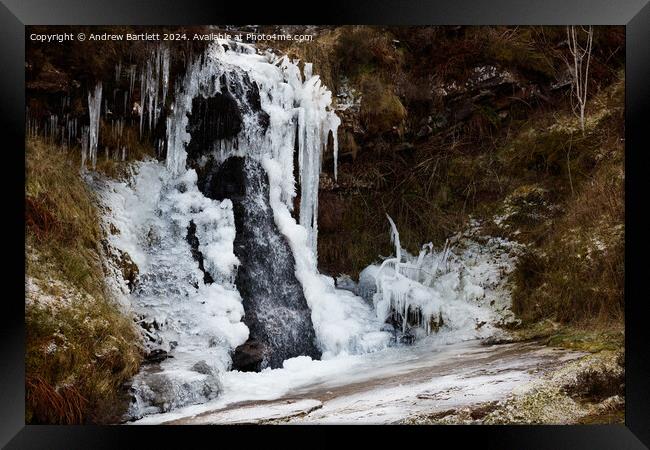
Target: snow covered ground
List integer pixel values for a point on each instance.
(382, 387)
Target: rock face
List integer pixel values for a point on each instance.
(196, 254)
(276, 311)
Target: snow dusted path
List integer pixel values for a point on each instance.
(384, 387)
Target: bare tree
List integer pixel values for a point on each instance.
(579, 67)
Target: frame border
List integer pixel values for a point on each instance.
(635, 14)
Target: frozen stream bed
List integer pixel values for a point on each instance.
(377, 388)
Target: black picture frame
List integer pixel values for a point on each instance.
(633, 14)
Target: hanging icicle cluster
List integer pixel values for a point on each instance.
(114, 100)
(154, 85)
(58, 129)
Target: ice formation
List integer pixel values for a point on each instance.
(199, 323)
(154, 85)
(58, 129)
(459, 291)
(94, 112)
(342, 321)
(294, 105)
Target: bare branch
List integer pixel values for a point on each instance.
(580, 69)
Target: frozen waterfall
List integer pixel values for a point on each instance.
(183, 238)
(295, 104)
(224, 265)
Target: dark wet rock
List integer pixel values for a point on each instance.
(113, 229)
(249, 356)
(407, 338)
(202, 367)
(156, 356)
(196, 253)
(497, 340)
(212, 119)
(129, 269)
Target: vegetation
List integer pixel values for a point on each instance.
(61, 217)
(576, 270)
(432, 145)
(80, 346)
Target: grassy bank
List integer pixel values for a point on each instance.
(80, 346)
(574, 268)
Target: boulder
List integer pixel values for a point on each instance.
(202, 367)
(249, 356)
(156, 356)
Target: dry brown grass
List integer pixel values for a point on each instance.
(63, 406)
(61, 216)
(78, 355)
(80, 347)
(136, 149)
(381, 110)
(576, 272)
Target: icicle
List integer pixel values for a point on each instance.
(308, 70)
(132, 69)
(394, 238)
(165, 74)
(94, 105)
(84, 146)
(142, 99)
(149, 86)
(336, 151)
